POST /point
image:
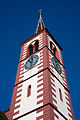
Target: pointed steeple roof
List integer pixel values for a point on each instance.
(40, 25)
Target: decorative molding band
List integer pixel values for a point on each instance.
(40, 72)
(40, 108)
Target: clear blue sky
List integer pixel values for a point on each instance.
(18, 21)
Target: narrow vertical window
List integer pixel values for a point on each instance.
(60, 93)
(29, 91)
(36, 46)
(30, 50)
(50, 45)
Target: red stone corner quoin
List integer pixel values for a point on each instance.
(41, 90)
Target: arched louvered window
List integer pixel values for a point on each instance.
(29, 91)
(60, 93)
(36, 46)
(53, 48)
(30, 50)
(50, 45)
(54, 51)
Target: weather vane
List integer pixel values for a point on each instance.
(40, 12)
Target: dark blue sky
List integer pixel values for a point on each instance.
(18, 21)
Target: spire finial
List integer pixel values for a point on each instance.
(40, 12)
(40, 25)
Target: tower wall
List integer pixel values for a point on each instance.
(45, 102)
(22, 75)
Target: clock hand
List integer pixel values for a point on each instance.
(29, 61)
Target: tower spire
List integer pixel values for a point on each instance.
(40, 25)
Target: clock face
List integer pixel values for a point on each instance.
(31, 62)
(56, 65)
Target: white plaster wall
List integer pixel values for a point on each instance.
(31, 116)
(62, 106)
(29, 103)
(60, 117)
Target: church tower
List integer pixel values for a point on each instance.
(41, 90)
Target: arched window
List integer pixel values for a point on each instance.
(60, 93)
(50, 45)
(29, 91)
(30, 50)
(53, 48)
(36, 46)
(54, 51)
